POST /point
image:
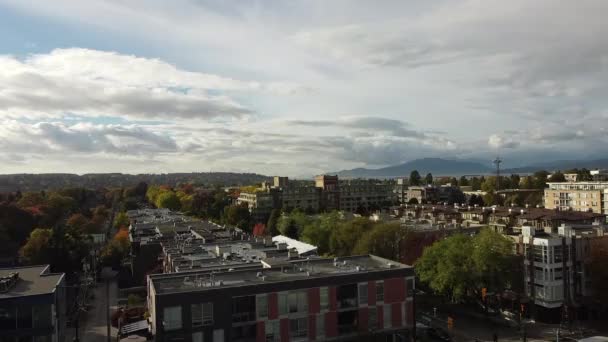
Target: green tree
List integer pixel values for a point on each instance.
(238, 216)
(415, 178)
(121, 220)
(345, 236)
(38, 248)
(31, 199)
(515, 181)
(540, 179)
(384, 240)
(463, 181)
(491, 255)
(272, 226)
(527, 183)
(318, 232)
(412, 200)
(429, 178)
(169, 200)
(291, 230)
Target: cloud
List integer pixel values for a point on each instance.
(499, 141)
(98, 83)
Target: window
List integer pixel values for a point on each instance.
(373, 318)
(324, 298)
(387, 316)
(363, 294)
(262, 305)
(172, 318)
(202, 314)
(409, 283)
(379, 291)
(320, 326)
(282, 303)
(273, 331)
(197, 336)
(298, 301)
(298, 328)
(218, 335)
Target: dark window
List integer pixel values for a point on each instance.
(243, 309)
(347, 296)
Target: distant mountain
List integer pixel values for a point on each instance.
(561, 165)
(436, 166)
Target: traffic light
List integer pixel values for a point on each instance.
(450, 323)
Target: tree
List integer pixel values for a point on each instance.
(558, 177)
(344, 237)
(384, 240)
(169, 200)
(515, 181)
(295, 217)
(319, 231)
(272, 227)
(116, 249)
(121, 220)
(429, 178)
(31, 199)
(412, 200)
(37, 250)
(77, 221)
(414, 178)
(239, 216)
(527, 183)
(463, 181)
(291, 230)
(540, 179)
(460, 265)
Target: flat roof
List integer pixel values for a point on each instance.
(33, 280)
(295, 270)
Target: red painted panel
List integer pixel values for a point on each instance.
(409, 314)
(396, 314)
(273, 305)
(333, 305)
(261, 332)
(312, 327)
(331, 324)
(363, 319)
(371, 293)
(284, 326)
(394, 290)
(380, 311)
(314, 300)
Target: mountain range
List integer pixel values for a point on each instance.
(455, 167)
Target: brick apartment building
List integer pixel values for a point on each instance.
(359, 298)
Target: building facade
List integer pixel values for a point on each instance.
(32, 305)
(578, 196)
(362, 298)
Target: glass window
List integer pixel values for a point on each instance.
(380, 291)
(320, 326)
(261, 305)
(324, 298)
(298, 328)
(363, 294)
(202, 314)
(298, 301)
(197, 336)
(387, 316)
(283, 303)
(373, 318)
(273, 331)
(172, 317)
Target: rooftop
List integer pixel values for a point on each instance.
(272, 272)
(32, 280)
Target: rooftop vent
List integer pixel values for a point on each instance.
(8, 282)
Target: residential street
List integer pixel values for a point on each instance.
(93, 321)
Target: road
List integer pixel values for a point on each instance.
(94, 322)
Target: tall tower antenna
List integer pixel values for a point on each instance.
(497, 162)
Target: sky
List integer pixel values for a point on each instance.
(298, 87)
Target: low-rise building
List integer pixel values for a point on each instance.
(362, 297)
(32, 304)
(578, 196)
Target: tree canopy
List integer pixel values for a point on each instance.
(415, 178)
(460, 265)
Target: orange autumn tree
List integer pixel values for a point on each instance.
(116, 249)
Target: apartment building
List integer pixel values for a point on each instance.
(365, 195)
(330, 195)
(578, 196)
(352, 298)
(555, 267)
(32, 305)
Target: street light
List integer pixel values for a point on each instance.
(107, 274)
